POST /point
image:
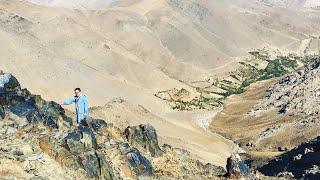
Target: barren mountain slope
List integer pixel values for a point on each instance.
(108, 52)
(76, 4)
(181, 133)
(274, 115)
(38, 140)
(293, 3)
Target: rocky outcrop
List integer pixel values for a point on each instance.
(2, 112)
(138, 163)
(180, 164)
(145, 137)
(80, 150)
(303, 162)
(236, 168)
(297, 94)
(32, 107)
(96, 150)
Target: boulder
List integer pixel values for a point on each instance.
(10, 90)
(105, 168)
(72, 142)
(80, 140)
(95, 164)
(98, 124)
(236, 168)
(2, 112)
(138, 164)
(145, 137)
(214, 170)
(67, 159)
(88, 137)
(12, 83)
(22, 103)
(71, 153)
(302, 162)
(91, 164)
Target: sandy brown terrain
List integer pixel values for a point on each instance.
(269, 131)
(175, 130)
(108, 52)
(137, 48)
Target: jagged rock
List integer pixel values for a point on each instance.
(48, 145)
(180, 164)
(299, 163)
(51, 146)
(12, 84)
(35, 156)
(144, 136)
(280, 148)
(214, 170)
(72, 142)
(23, 104)
(50, 108)
(2, 112)
(11, 130)
(91, 164)
(53, 113)
(10, 90)
(139, 164)
(63, 122)
(102, 130)
(88, 137)
(80, 140)
(67, 159)
(105, 168)
(98, 124)
(95, 165)
(236, 168)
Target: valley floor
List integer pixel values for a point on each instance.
(178, 129)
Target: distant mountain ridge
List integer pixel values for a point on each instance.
(294, 3)
(76, 4)
(136, 48)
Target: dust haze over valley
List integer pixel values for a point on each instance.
(122, 53)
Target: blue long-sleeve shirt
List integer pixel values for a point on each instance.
(82, 107)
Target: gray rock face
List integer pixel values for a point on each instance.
(74, 153)
(23, 104)
(10, 90)
(144, 136)
(88, 137)
(212, 169)
(72, 142)
(105, 168)
(98, 124)
(236, 168)
(302, 162)
(91, 164)
(2, 112)
(295, 94)
(137, 162)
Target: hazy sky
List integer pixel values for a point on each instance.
(77, 4)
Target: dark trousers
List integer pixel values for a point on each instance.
(84, 122)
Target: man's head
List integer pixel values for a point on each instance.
(77, 91)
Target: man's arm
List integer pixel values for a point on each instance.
(86, 107)
(69, 101)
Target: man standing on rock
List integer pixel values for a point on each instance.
(81, 102)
